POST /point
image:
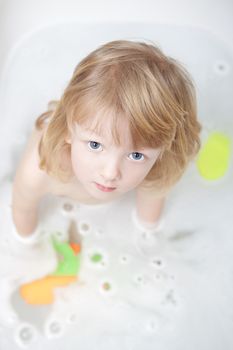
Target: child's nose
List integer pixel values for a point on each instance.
(111, 171)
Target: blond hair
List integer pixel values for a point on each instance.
(136, 81)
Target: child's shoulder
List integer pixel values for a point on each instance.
(28, 173)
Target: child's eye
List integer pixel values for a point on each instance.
(96, 146)
(136, 156)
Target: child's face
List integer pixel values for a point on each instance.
(105, 169)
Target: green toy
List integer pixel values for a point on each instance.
(41, 291)
(70, 263)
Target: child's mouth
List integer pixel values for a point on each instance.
(104, 189)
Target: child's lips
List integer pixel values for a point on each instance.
(104, 188)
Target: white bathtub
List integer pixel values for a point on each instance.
(41, 42)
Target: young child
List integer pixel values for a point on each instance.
(126, 121)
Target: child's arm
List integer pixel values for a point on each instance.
(148, 207)
(30, 185)
(25, 203)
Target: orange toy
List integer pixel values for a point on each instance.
(41, 292)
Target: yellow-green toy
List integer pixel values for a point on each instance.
(214, 157)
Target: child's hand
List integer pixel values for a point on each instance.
(30, 239)
(150, 227)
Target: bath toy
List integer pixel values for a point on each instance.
(41, 291)
(69, 265)
(214, 156)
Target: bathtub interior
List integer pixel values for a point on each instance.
(174, 291)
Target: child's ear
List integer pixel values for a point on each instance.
(68, 139)
(69, 134)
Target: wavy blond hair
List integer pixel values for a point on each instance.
(136, 81)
